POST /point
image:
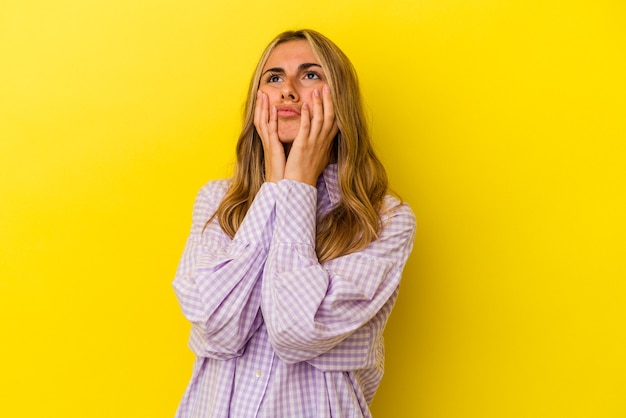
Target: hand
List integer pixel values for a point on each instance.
(310, 151)
(266, 123)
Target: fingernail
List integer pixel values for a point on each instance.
(316, 92)
(326, 88)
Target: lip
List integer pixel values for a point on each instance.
(288, 111)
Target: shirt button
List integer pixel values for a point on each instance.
(258, 373)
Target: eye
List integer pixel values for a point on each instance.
(312, 75)
(273, 78)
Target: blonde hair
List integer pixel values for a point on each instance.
(355, 221)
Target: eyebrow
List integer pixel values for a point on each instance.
(301, 67)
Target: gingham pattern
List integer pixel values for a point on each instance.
(276, 333)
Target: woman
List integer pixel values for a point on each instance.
(293, 265)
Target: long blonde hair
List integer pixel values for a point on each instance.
(355, 221)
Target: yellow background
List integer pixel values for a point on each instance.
(501, 122)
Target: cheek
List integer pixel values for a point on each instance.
(272, 95)
(306, 95)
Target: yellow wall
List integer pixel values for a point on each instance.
(501, 122)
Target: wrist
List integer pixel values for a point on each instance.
(302, 178)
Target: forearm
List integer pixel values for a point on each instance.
(311, 308)
(217, 280)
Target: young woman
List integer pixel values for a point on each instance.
(292, 266)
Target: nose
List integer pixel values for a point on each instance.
(288, 92)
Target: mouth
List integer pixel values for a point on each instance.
(286, 112)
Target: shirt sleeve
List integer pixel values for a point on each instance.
(218, 279)
(309, 308)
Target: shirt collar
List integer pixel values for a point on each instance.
(330, 177)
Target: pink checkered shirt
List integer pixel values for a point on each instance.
(276, 333)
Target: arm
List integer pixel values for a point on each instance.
(217, 281)
(309, 308)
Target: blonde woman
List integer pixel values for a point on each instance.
(293, 265)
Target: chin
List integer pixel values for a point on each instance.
(288, 132)
(286, 137)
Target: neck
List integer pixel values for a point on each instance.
(287, 147)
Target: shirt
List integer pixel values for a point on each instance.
(276, 333)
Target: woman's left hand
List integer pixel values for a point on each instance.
(310, 152)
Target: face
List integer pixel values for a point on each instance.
(289, 78)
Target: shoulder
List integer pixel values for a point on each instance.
(210, 196)
(397, 222)
(397, 210)
(214, 189)
(395, 238)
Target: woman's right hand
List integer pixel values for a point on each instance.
(266, 123)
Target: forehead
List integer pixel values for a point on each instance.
(290, 55)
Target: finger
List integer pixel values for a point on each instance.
(305, 123)
(257, 109)
(261, 119)
(318, 115)
(273, 125)
(315, 116)
(330, 123)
